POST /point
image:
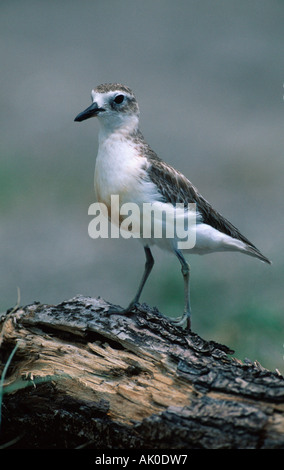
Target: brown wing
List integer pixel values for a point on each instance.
(176, 188)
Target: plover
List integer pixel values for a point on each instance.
(128, 167)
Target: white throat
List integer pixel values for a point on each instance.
(123, 124)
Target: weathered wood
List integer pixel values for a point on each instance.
(83, 377)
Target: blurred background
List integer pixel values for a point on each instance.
(209, 80)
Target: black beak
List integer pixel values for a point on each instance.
(91, 111)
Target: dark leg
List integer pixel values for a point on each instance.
(148, 268)
(185, 319)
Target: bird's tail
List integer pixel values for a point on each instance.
(251, 250)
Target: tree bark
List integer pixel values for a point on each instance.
(81, 377)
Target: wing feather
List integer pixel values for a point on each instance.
(176, 188)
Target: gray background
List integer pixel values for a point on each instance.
(209, 80)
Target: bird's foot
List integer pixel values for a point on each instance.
(184, 321)
(117, 310)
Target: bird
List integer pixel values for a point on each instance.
(128, 167)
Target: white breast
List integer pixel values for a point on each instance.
(121, 170)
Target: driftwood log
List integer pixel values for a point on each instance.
(80, 377)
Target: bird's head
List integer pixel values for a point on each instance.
(115, 106)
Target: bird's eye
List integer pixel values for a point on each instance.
(119, 99)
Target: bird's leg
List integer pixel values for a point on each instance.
(185, 320)
(148, 268)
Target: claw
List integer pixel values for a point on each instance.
(183, 321)
(122, 311)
